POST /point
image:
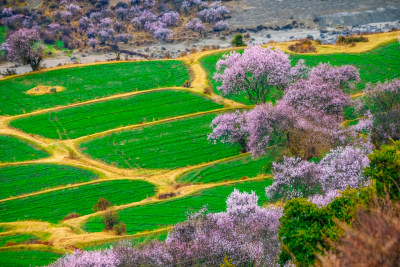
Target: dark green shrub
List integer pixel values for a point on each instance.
(302, 231)
(238, 40)
(307, 230)
(385, 169)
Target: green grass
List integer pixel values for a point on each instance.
(89, 119)
(17, 239)
(54, 206)
(24, 258)
(3, 33)
(138, 241)
(24, 179)
(376, 65)
(88, 82)
(233, 169)
(159, 215)
(13, 149)
(166, 145)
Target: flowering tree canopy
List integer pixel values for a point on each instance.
(340, 169)
(246, 234)
(23, 46)
(256, 72)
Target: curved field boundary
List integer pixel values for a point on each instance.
(169, 145)
(169, 212)
(41, 177)
(19, 149)
(99, 117)
(236, 168)
(54, 206)
(87, 83)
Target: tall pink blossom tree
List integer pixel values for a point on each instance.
(256, 72)
(24, 47)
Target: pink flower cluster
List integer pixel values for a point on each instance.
(340, 169)
(195, 25)
(256, 72)
(245, 233)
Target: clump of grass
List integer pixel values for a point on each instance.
(303, 46)
(351, 40)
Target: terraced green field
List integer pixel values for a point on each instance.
(166, 145)
(163, 214)
(89, 82)
(22, 258)
(13, 149)
(54, 206)
(376, 65)
(16, 239)
(234, 169)
(98, 117)
(24, 179)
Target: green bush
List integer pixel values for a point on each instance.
(307, 230)
(303, 228)
(385, 169)
(238, 40)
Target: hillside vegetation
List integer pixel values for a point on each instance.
(130, 136)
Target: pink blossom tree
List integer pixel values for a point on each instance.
(195, 25)
(245, 233)
(230, 128)
(256, 72)
(24, 47)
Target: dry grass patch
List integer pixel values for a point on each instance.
(43, 90)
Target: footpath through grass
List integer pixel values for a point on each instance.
(166, 145)
(22, 258)
(88, 82)
(13, 149)
(98, 117)
(24, 179)
(376, 65)
(234, 169)
(54, 206)
(163, 214)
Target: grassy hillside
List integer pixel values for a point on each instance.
(24, 179)
(165, 145)
(158, 215)
(376, 65)
(98, 117)
(13, 149)
(88, 82)
(54, 206)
